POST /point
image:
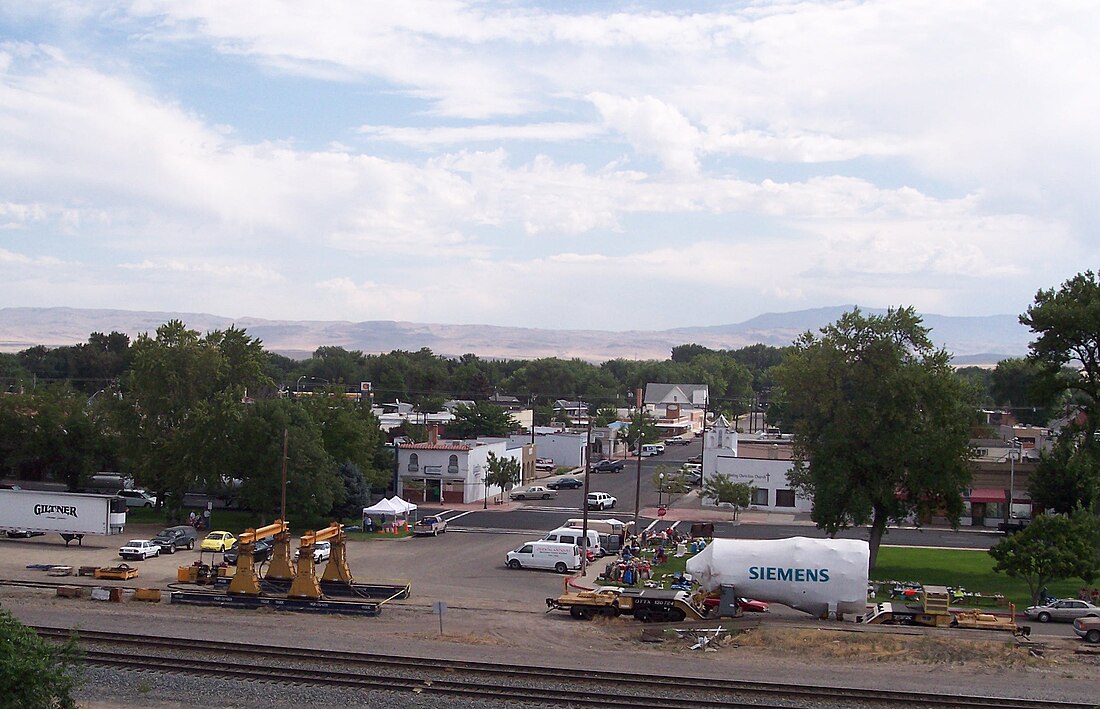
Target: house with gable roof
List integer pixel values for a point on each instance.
(678, 408)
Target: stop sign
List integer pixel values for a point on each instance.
(661, 511)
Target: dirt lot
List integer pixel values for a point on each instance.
(498, 614)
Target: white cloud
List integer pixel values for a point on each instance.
(795, 153)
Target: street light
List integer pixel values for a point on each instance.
(1016, 448)
(661, 490)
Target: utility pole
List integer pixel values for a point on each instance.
(282, 507)
(584, 514)
(638, 479)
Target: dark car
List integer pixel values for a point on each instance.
(261, 551)
(172, 538)
(565, 484)
(609, 466)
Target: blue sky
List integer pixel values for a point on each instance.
(603, 166)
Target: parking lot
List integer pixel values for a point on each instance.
(464, 569)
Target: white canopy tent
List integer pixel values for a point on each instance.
(400, 505)
(382, 507)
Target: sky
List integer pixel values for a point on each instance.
(594, 165)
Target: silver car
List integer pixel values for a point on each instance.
(1063, 610)
(139, 549)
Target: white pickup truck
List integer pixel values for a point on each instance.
(432, 525)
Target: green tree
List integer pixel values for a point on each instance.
(181, 399)
(350, 434)
(720, 488)
(481, 419)
(1052, 547)
(605, 415)
(313, 485)
(33, 673)
(1032, 392)
(1067, 322)
(50, 433)
(502, 473)
(356, 493)
(640, 422)
(881, 424)
(1066, 477)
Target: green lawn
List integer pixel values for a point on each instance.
(973, 570)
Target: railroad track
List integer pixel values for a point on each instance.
(489, 681)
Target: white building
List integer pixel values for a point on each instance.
(678, 408)
(453, 471)
(565, 447)
(764, 464)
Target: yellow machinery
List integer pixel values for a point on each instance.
(279, 568)
(306, 584)
(245, 581)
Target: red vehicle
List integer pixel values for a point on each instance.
(748, 605)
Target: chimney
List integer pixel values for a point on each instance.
(433, 434)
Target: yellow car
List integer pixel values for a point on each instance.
(218, 541)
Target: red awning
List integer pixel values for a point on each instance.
(987, 494)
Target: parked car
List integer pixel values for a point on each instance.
(172, 538)
(1088, 629)
(139, 549)
(23, 533)
(261, 550)
(600, 501)
(609, 466)
(138, 498)
(696, 459)
(218, 541)
(565, 484)
(321, 552)
(677, 441)
(533, 492)
(544, 464)
(692, 472)
(1067, 610)
(433, 525)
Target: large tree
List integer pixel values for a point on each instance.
(1067, 322)
(481, 419)
(181, 400)
(1050, 548)
(881, 424)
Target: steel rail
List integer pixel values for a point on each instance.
(693, 691)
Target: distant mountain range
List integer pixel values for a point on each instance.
(972, 340)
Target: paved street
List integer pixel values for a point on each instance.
(543, 515)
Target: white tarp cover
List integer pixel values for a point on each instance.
(382, 507)
(401, 506)
(818, 576)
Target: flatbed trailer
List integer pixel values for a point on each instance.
(208, 598)
(646, 605)
(336, 589)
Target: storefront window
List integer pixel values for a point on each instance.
(760, 496)
(784, 498)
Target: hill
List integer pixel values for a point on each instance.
(973, 340)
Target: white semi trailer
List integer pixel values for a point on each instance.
(70, 514)
(823, 577)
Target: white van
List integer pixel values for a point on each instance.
(650, 449)
(545, 555)
(572, 535)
